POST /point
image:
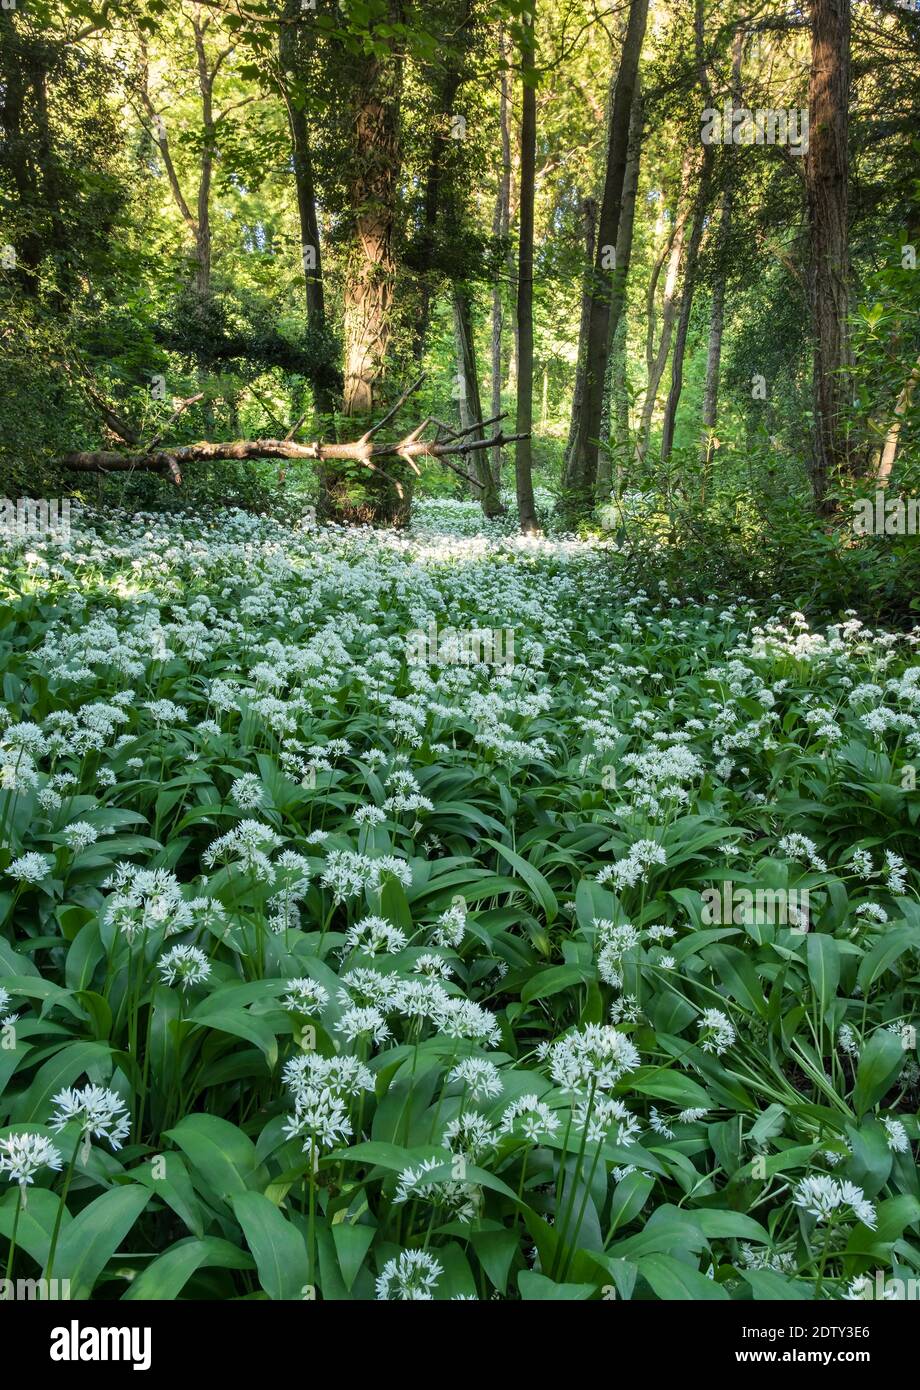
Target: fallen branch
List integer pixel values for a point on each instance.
(366, 451)
(363, 451)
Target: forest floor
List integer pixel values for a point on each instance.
(337, 959)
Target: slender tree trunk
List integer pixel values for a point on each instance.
(686, 308)
(826, 187)
(500, 224)
(589, 231)
(668, 306)
(433, 207)
(619, 417)
(523, 454)
(311, 250)
(708, 442)
(581, 477)
(206, 166)
(371, 268)
(470, 400)
(616, 362)
(890, 446)
(714, 357)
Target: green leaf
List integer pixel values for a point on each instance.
(539, 888)
(352, 1243)
(219, 1154)
(823, 967)
(60, 1071)
(536, 1287)
(165, 1278)
(278, 1248)
(553, 980)
(880, 1061)
(672, 1279)
(93, 1236)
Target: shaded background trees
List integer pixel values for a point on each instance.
(291, 209)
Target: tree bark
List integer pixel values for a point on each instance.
(714, 353)
(304, 187)
(668, 306)
(616, 402)
(470, 402)
(364, 451)
(523, 457)
(890, 446)
(371, 268)
(686, 308)
(500, 225)
(581, 477)
(826, 189)
(589, 232)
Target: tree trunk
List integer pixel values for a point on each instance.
(311, 251)
(371, 268)
(470, 402)
(826, 188)
(581, 478)
(708, 442)
(686, 308)
(500, 224)
(668, 307)
(523, 454)
(206, 165)
(618, 453)
(615, 385)
(890, 446)
(714, 359)
(589, 231)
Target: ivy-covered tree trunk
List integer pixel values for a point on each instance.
(371, 270)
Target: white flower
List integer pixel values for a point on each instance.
(348, 874)
(249, 844)
(462, 1018)
(80, 835)
(319, 1118)
(896, 1136)
(247, 791)
(598, 1055)
(185, 966)
(305, 996)
(722, 1031)
(344, 1077)
(797, 846)
(359, 1023)
(433, 965)
(101, 1113)
(146, 900)
(470, 1133)
(21, 1156)
(535, 1118)
(450, 927)
(29, 868)
(481, 1078)
(374, 934)
(822, 1196)
(409, 1277)
(636, 866)
(895, 873)
(596, 1116)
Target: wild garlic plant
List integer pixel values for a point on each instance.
(447, 979)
